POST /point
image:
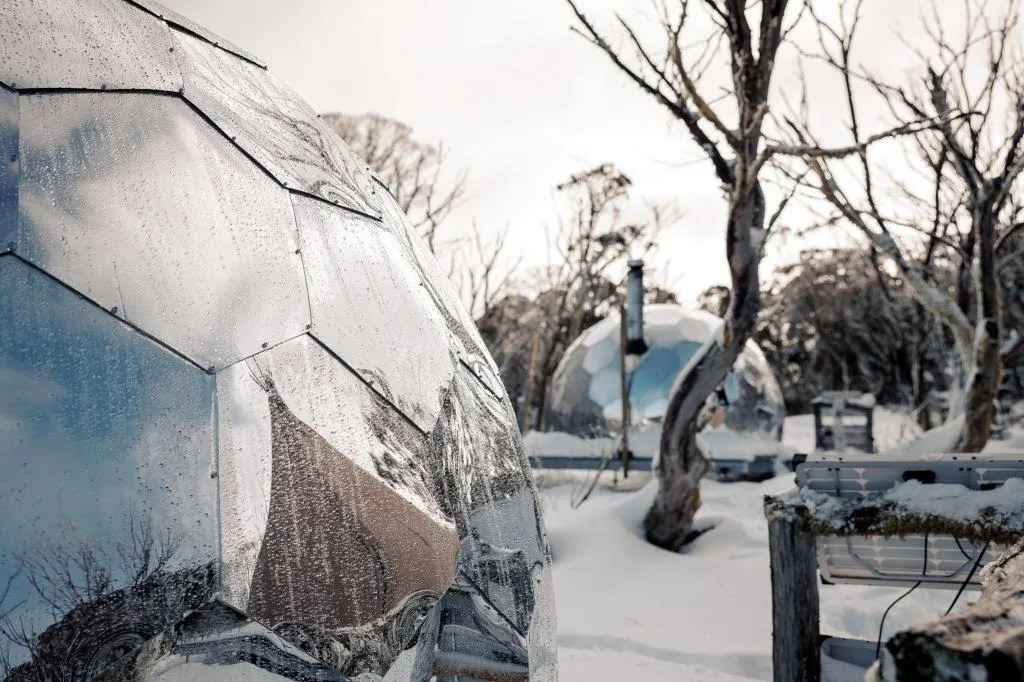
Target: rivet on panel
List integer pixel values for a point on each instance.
(265, 344)
(113, 311)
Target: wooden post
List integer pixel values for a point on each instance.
(795, 641)
(624, 384)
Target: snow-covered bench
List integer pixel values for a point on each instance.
(883, 519)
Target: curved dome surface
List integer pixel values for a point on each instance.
(245, 421)
(586, 394)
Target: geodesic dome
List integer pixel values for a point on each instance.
(245, 422)
(586, 392)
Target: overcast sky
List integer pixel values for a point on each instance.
(520, 101)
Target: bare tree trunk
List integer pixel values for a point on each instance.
(673, 78)
(987, 367)
(669, 521)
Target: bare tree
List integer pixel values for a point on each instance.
(69, 579)
(962, 203)
(715, 300)
(412, 170)
(486, 271)
(737, 151)
(596, 237)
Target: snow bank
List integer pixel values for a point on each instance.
(720, 443)
(557, 443)
(941, 439)
(627, 610)
(960, 503)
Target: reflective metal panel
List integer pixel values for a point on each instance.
(338, 536)
(442, 293)
(175, 19)
(244, 456)
(8, 168)
(272, 124)
(107, 501)
(586, 397)
(369, 307)
(90, 44)
(486, 487)
(134, 200)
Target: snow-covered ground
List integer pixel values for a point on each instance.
(627, 610)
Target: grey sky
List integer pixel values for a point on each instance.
(520, 101)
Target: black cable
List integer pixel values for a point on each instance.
(961, 548)
(881, 626)
(963, 585)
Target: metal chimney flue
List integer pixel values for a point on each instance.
(635, 344)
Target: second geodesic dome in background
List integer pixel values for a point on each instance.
(586, 395)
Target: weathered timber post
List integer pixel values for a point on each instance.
(624, 387)
(795, 641)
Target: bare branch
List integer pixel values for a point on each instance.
(677, 107)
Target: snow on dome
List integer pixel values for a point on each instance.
(234, 381)
(586, 396)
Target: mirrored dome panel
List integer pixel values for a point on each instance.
(586, 394)
(104, 175)
(66, 45)
(9, 165)
(107, 498)
(247, 428)
(273, 125)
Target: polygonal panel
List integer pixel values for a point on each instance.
(93, 44)
(107, 502)
(244, 456)
(329, 521)
(658, 366)
(603, 353)
(485, 479)
(369, 307)
(274, 126)
(602, 333)
(8, 167)
(445, 297)
(134, 200)
(175, 19)
(605, 386)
